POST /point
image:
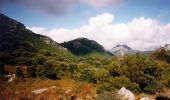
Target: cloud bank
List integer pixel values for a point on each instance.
(139, 33)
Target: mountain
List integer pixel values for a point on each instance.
(17, 41)
(120, 50)
(84, 46)
(20, 45)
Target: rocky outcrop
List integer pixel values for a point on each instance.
(126, 94)
(145, 98)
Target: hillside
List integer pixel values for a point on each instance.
(84, 46)
(16, 41)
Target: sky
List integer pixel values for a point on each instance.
(140, 24)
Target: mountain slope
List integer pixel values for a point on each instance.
(15, 40)
(84, 46)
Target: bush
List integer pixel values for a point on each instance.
(123, 81)
(31, 71)
(88, 75)
(101, 74)
(103, 87)
(162, 97)
(150, 85)
(38, 60)
(19, 72)
(72, 68)
(48, 71)
(1, 68)
(108, 96)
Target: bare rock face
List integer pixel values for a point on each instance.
(126, 94)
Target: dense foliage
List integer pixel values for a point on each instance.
(83, 46)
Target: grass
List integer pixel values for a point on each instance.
(65, 89)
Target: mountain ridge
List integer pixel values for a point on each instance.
(83, 46)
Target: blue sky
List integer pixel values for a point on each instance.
(141, 24)
(79, 13)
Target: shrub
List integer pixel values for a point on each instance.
(108, 96)
(162, 97)
(31, 71)
(38, 60)
(123, 81)
(1, 68)
(88, 75)
(48, 71)
(19, 72)
(150, 85)
(101, 74)
(103, 87)
(72, 68)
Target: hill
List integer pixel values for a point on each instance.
(84, 46)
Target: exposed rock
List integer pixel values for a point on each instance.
(126, 94)
(145, 98)
(12, 77)
(39, 91)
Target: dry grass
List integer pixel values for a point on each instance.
(21, 89)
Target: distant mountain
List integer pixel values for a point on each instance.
(83, 46)
(120, 50)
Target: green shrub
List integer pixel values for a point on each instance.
(19, 72)
(123, 81)
(108, 96)
(38, 60)
(72, 68)
(150, 85)
(88, 75)
(101, 74)
(31, 71)
(1, 68)
(103, 87)
(48, 71)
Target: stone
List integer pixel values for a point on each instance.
(126, 94)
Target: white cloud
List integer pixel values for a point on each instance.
(139, 33)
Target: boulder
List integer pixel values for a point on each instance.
(145, 98)
(126, 94)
